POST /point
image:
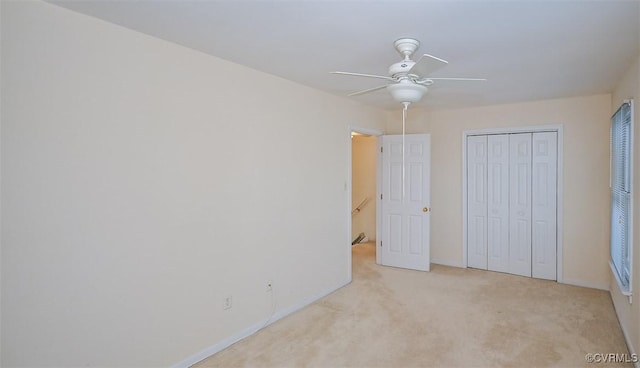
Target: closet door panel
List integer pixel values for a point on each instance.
(498, 203)
(544, 191)
(520, 204)
(477, 202)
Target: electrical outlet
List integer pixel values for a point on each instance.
(228, 302)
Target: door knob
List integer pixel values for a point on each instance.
(425, 209)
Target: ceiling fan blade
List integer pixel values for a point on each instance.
(460, 79)
(366, 90)
(365, 75)
(426, 65)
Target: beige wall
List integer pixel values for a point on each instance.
(629, 314)
(143, 182)
(586, 167)
(363, 183)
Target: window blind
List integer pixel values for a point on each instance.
(621, 194)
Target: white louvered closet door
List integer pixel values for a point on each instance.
(512, 204)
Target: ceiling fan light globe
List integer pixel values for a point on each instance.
(407, 92)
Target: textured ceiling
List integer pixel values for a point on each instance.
(528, 50)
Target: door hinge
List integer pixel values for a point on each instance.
(380, 196)
(381, 148)
(380, 243)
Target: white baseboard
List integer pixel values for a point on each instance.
(632, 352)
(585, 284)
(627, 340)
(446, 263)
(254, 328)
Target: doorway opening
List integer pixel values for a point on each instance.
(362, 190)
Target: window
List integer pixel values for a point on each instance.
(621, 150)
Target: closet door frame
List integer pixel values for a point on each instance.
(558, 128)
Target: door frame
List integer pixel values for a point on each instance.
(349, 189)
(559, 129)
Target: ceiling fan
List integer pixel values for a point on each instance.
(410, 78)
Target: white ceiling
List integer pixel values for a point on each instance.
(528, 50)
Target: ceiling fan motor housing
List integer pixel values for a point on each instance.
(401, 68)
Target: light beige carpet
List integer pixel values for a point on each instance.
(448, 317)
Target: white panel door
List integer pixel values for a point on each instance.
(544, 191)
(520, 204)
(477, 201)
(405, 214)
(498, 203)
